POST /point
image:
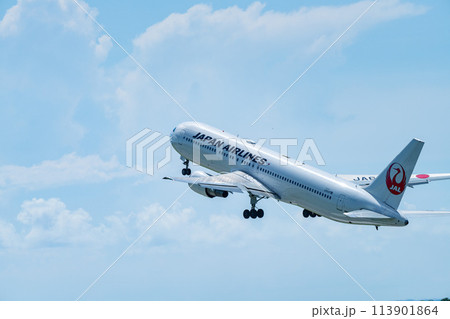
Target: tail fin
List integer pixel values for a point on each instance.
(390, 185)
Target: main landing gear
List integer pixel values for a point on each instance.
(253, 212)
(186, 170)
(307, 213)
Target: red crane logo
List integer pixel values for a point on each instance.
(396, 179)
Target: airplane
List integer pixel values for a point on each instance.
(245, 167)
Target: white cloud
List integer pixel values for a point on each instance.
(73, 18)
(203, 55)
(200, 55)
(65, 13)
(202, 23)
(9, 22)
(69, 169)
(193, 51)
(8, 235)
(53, 224)
(48, 223)
(184, 225)
(102, 47)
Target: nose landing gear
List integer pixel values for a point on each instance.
(186, 170)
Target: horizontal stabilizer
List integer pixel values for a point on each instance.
(416, 179)
(423, 213)
(419, 179)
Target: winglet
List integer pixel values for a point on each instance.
(390, 185)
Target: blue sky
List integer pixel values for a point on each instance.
(70, 98)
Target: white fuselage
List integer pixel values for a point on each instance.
(295, 183)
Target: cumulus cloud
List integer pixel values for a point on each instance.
(184, 225)
(199, 55)
(9, 22)
(69, 169)
(102, 47)
(74, 18)
(204, 54)
(65, 13)
(8, 235)
(49, 223)
(203, 24)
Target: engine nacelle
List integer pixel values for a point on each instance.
(208, 192)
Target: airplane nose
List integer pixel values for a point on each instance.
(176, 136)
(173, 135)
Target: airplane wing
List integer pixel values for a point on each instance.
(236, 181)
(416, 179)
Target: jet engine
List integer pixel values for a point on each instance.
(208, 192)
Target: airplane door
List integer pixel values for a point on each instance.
(341, 203)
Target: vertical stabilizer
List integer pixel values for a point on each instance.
(390, 185)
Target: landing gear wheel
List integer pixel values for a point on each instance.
(260, 213)
(305, 214)
(253, 212)
(312, 215)
(186, 170)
